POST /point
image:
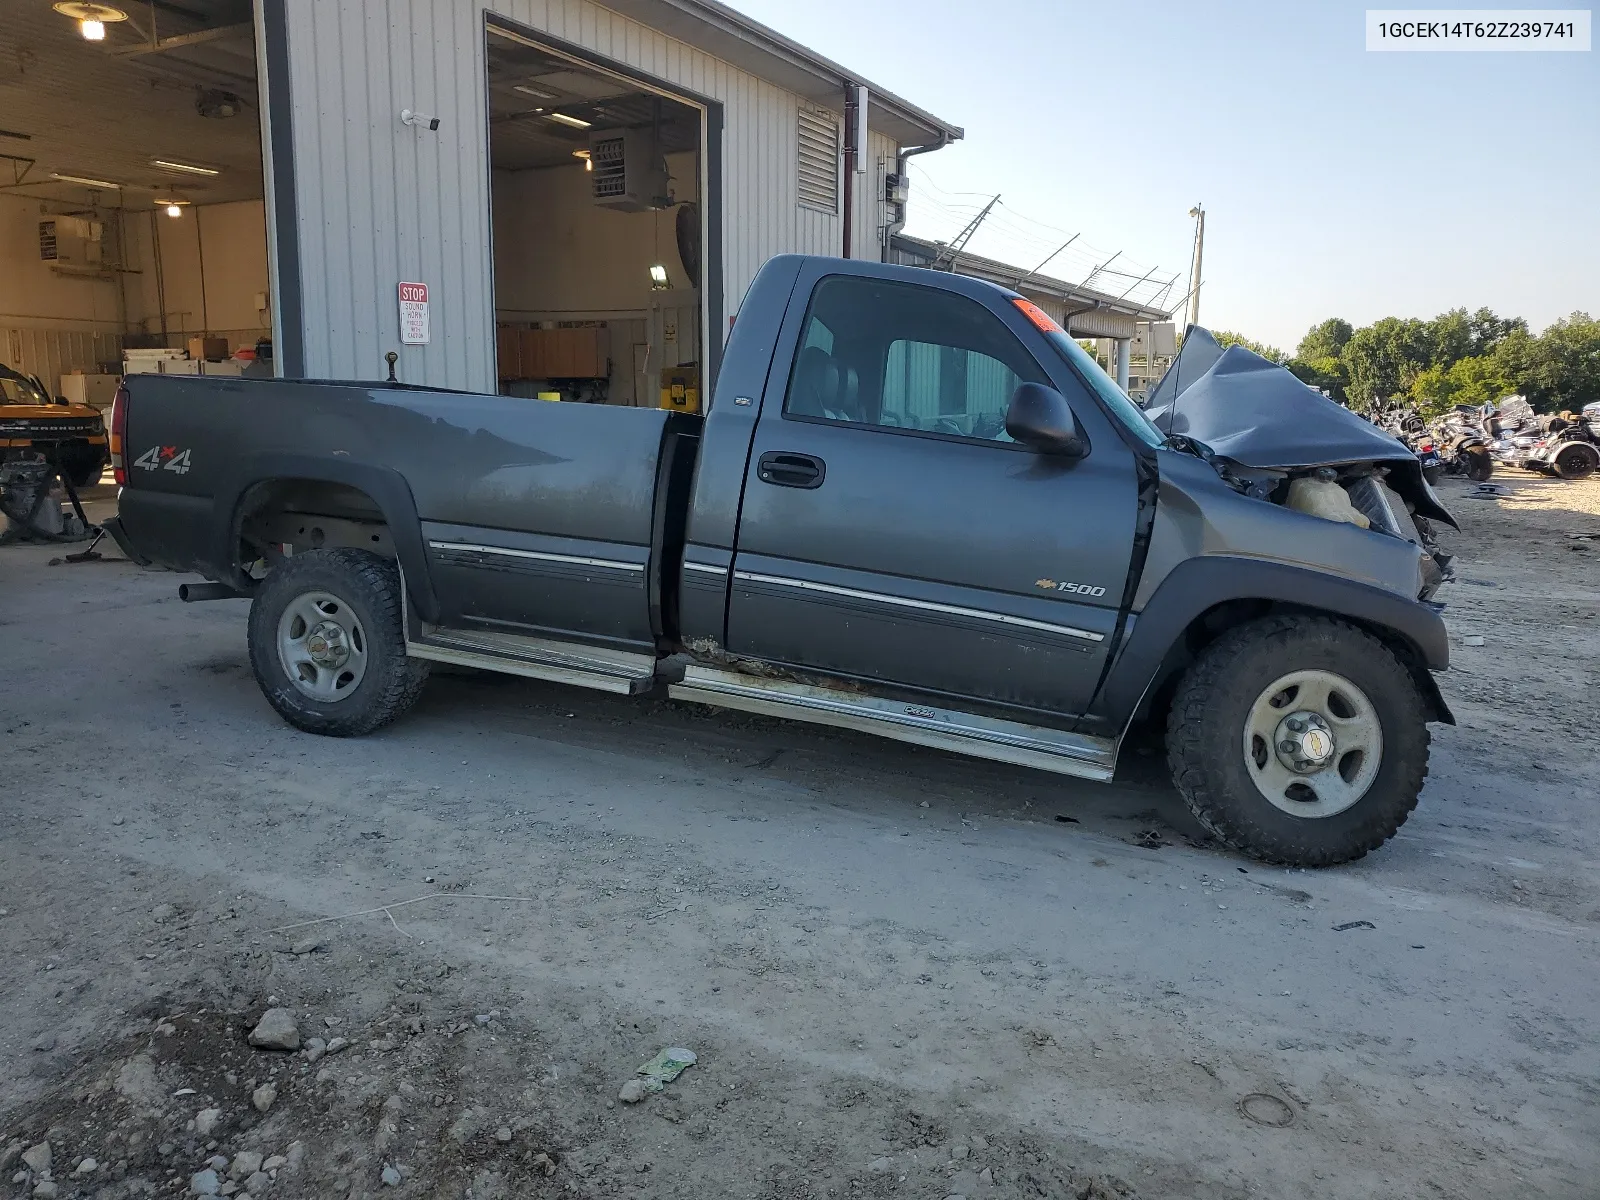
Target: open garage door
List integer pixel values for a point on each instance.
(132, 224)
(598, 226)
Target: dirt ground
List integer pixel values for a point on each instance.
(902, 973)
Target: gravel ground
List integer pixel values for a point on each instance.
(902, 973)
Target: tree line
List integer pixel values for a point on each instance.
(1456, 358)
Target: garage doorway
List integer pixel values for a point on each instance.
(598, 180)
(132, 225)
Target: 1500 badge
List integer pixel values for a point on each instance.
(1078, 589)
(165, 458)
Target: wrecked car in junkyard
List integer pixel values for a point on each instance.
(915, 508)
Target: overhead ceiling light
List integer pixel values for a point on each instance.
(174, 210)
(92, 19)
(575, 122)
(536, 93)
(85, 180)
(588, 163)
(658, 278)
(167, 164)
(174, 207)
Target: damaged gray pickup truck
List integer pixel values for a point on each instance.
(916, 508)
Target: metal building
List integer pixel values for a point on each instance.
(387, 124)
(1085, 312)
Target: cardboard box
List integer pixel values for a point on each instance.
(212, 349)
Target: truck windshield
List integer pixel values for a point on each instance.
(14, 389)
(1123, 408)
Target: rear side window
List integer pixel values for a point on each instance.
(898, 356)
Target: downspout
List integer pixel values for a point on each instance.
(899, 222)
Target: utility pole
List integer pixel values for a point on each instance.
(961, 239)
(1199, 215)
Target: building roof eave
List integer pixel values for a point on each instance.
(769, 55)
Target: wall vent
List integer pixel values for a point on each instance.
(819, 160)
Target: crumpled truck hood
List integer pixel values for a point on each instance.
(1244, 408)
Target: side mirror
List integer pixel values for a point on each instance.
(1041, 419)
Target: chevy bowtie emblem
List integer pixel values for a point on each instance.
(1048, 585)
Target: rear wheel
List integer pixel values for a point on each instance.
(327, 643)
(1577, 461)
(1480, 465)
(1299, 740)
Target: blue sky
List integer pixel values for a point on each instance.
(1336, 182)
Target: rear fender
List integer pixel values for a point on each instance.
(387, 488)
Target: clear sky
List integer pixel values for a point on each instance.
(1336, 182)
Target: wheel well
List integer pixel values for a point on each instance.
(305, 514)
(1229, 614)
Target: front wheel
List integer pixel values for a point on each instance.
(327, 643)
(1299, 740)
(1480, 465)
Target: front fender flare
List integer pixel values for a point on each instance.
(1157, 645)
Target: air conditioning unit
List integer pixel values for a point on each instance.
(71, 241)
(627, 170)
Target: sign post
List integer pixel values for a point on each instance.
(414, 314)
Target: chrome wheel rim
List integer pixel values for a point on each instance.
(322, 647)
(1313, 744)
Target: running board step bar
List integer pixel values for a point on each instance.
(537, 658)
(943, 729)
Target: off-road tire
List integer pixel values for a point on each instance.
(1575, 462)
(1205, 728)
(1480, 465)
(370, 585)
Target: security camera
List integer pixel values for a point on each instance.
(407, 117)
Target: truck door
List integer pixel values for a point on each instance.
(890, 529)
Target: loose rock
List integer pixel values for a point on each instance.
(46, 1189)
(297, 1155)
(979, 1142)
(45, 1042)
(274, 1162)
(246, 1162)
(986, 1175)
(391, 1176)
(959, 1152)
(38, 1158)
(207, 1120)
(163, 912)
(503, 1134)
(258, 1182)
(315, 1048)
(204, 1183)
(306, 946)
(264, 1096)
(337, 1044)
(87, 1167)
(632, 1092)
(276, 1031)
(881, 1166)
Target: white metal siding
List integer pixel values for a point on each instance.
(379, 202)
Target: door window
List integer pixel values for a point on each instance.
(898, 356)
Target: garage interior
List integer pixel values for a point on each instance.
(598, 229)
(132, 222)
